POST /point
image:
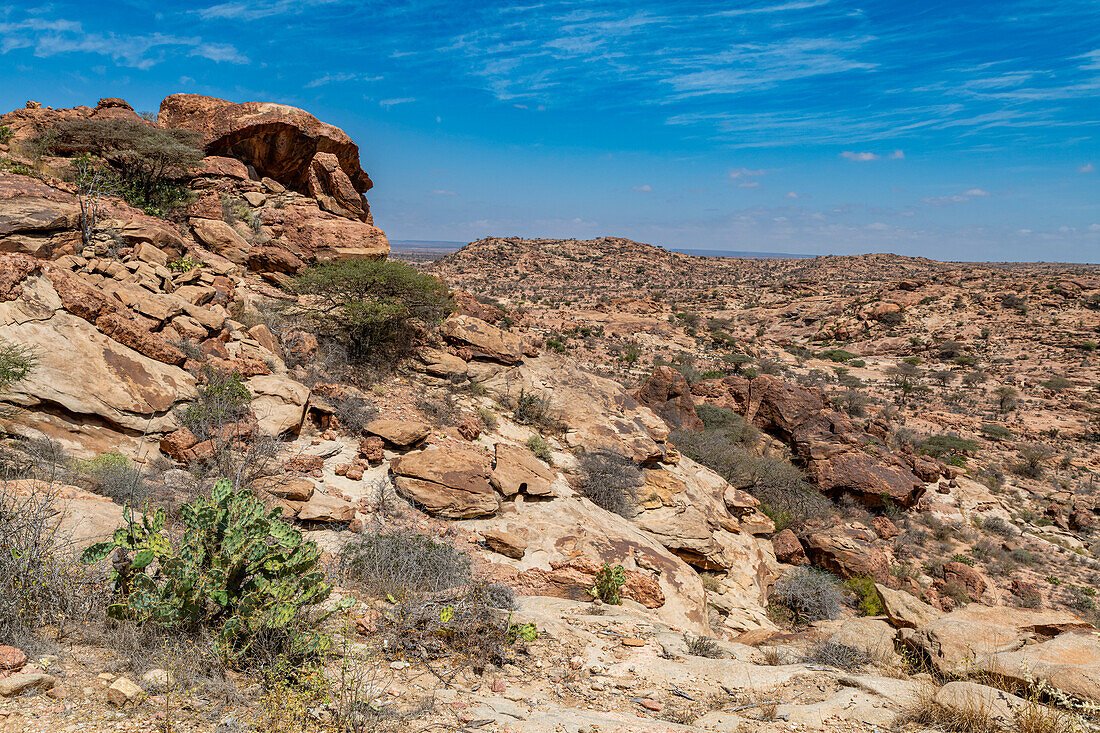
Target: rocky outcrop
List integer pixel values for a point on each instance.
(482, 339)
(848, 550)
(277, 140)
(667, 393)
(451, 483)
(333, 190)
(840, 457)
(517, 471)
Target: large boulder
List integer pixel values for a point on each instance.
(447, 482)
(277, 140)
(482, 339)
(848, 550)
(1069, 662)
(114, 383)
(954, 642)
(904, 610)
(313, 234)
(278, 402)
(333, 190)
(31, 212)
(668, 393)
(517, 470)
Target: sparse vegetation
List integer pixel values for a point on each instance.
(402, 562)
(611, 482)
(808, 595)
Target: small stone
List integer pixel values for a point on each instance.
(18, 683)
(123, 691)
(576, 662)
(651, 705)
(499, 685)
(157, 678)
(11, 658)
(59, 692)
(631, 641)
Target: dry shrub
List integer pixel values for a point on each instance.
(836, 655)
(809, 595)
(42, 583)
(925, 711)
(702, 646)
(611, 482)
(401, 562)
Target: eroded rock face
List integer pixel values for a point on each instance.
(841, 457)
(333, 190)
(1069, 662)
(848, 550)
(451, 483)
(483, 339)
(114, 382)
(277, 140)
(954, 641)
(667, 393)
(598, 414)
(518, 471)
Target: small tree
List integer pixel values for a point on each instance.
(371, 303)
(1006, 398)
(16, 362)
(93, 182)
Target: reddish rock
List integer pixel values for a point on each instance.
(175, 444)
(14, 269)
(884, 528)
(333, 189)
(506, 543)
(668, 393)
(125, 330)
(268, 258)
(848, 550)
(11, 658)
(470, 428)
(304, 464)
(300, 346)
(963, 574)
(279, 141)
(371, 449)
(788, 549)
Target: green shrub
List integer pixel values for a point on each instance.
(488, 417)
(370, 304)
(1057, 384)
(239, 570)
(147, 159)
(534, 409)
(996, 432)
(6, 134)
(837, 355)
(222, 400)
(867, 598)
(540, 448)
(609, 584)
(116, 476)
(947, 445)
(16, 362)
(184, 264)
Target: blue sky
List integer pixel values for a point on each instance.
(953, 130)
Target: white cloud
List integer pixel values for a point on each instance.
(878, 226)
(387, 103)
(976, 192)
(219, 52)
(748, 184)
(1087, 168)
(790, 195)
(339, 77)
(644, 188)
(859, 157)
(897, 155)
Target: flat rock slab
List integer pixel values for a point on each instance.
(402, 433)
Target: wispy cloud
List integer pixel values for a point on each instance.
(1086, 168)
(644, 188)
(745, 172)
(340, 77)
(860, 157)
(387, 103)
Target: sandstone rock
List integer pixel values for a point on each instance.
(221, 238)
(519, 471)
(176, 444)
(157, 679)
(1069, 662)
(371, 449)
(333, 189)
(21, 682)
(963, 574)
(868, 477)
(277, 140)
(326, 508)
(30, 206)
(296, 488)
(904, 610)
(970, 701)
(278, 402)
(506, 543)
(124, 691)
(318, 235)
(114, 383)
(223, 167)
(870, 635)
(439, 363)
(954, 641)
(788, 549)
(274, 259)
(452, 483)
(470, 428)
(598, 414)
(402, 433)
(667, 393)
(847, 550)
(483, 339)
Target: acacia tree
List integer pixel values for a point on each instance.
(370, 304)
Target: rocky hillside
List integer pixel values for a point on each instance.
(588, 498)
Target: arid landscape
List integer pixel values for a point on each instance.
(260, 477)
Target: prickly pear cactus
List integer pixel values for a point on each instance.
(609, 583)
(239, 570)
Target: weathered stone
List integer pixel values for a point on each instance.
(21, 682)
(519, 471)
(11, 658)
(988, 705)
(788, 549)
(124, 692)
(483, 339)
(333, 189)
(506, 543)
(1069, 662)
(904, 610)
(278, 402)
(326, 508)
(452, 483)
(296, 488)
(847, 550)
(402, 433)
(668, 393)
